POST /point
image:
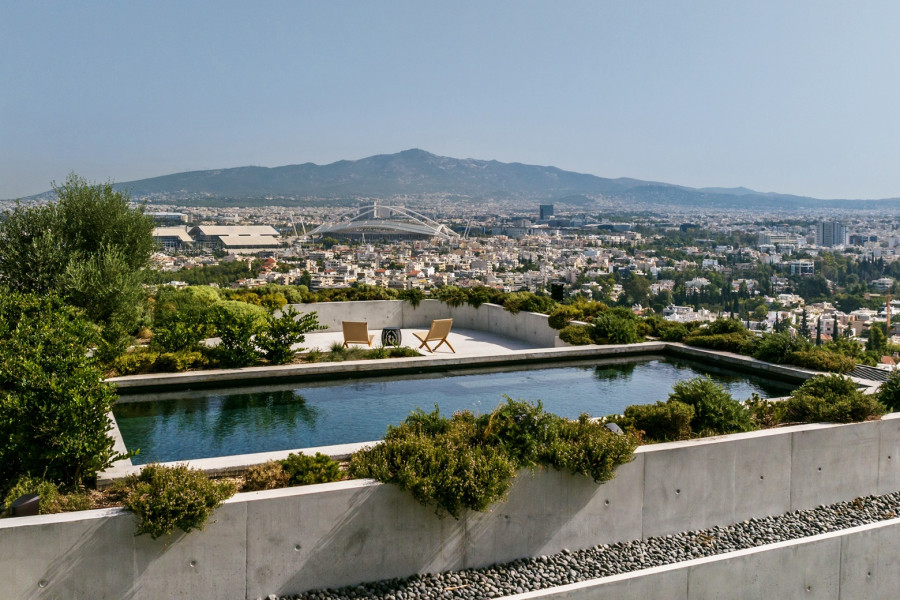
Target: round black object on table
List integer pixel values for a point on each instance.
(390, 336)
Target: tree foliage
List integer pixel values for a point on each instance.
(54, 405)
(88, 247)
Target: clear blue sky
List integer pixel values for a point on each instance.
(797, 97)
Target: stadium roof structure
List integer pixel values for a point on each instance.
(384, 222)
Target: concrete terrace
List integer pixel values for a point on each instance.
(466, 342)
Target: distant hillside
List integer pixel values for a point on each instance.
(416, 172)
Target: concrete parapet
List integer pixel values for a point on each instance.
(525, 326)
(285, 541)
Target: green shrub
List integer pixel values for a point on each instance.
(54, 404)
(561, 315)
(450, 470)
(204, 294)
(267, 476)
(676, 333)
(577, 335)
(818, 359)
(889, 392)
(775, 347)
(466, 462)
(615, 327)
(528, 302)
(721, 326)
(182, 318)
(280, 334)
(403, 352)
(766, 413)
(727, 342)
(164, 498)
(587, 447)
(138, 360)
(302, 469)
(478, 295)
(831, 398)
(183, 360)
(414, 296)
(715, 411)
(521, 429)
(661, 422)
(236, 326)
(51, 499)
(451, 295)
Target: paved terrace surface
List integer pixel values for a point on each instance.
(466, 342)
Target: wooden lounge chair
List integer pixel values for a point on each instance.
(357, 332)
(440, 329)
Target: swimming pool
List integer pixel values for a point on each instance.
(187, 425)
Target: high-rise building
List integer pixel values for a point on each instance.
(546, 211)
(831, 233)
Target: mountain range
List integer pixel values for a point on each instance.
(419, 173)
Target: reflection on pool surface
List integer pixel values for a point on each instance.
(201, 424)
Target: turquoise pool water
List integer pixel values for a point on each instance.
(201, 424)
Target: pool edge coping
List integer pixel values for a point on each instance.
(236, 463)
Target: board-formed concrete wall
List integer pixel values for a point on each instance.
(286, 541)
(525, 326)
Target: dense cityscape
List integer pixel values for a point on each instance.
(839, 269)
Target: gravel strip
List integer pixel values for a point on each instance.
(566, 567)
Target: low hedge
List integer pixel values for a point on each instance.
(739, 343)
(819, 359)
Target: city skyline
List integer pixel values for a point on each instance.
(795, 99)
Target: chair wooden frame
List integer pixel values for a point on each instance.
(357, 332)
(440, 329)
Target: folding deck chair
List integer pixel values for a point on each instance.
(440, 329)
(357, 332)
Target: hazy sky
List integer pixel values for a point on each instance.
(797, 97)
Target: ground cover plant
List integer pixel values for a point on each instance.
(296, 469)
(165, 498)
(831, 398)
(469, 462)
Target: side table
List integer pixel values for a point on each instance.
(390, 336)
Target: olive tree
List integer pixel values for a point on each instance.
(88, 247)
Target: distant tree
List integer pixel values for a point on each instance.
(877, 342)
(637, 289)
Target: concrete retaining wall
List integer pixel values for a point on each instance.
(525, 326)
(854, 564)
(285, 541)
